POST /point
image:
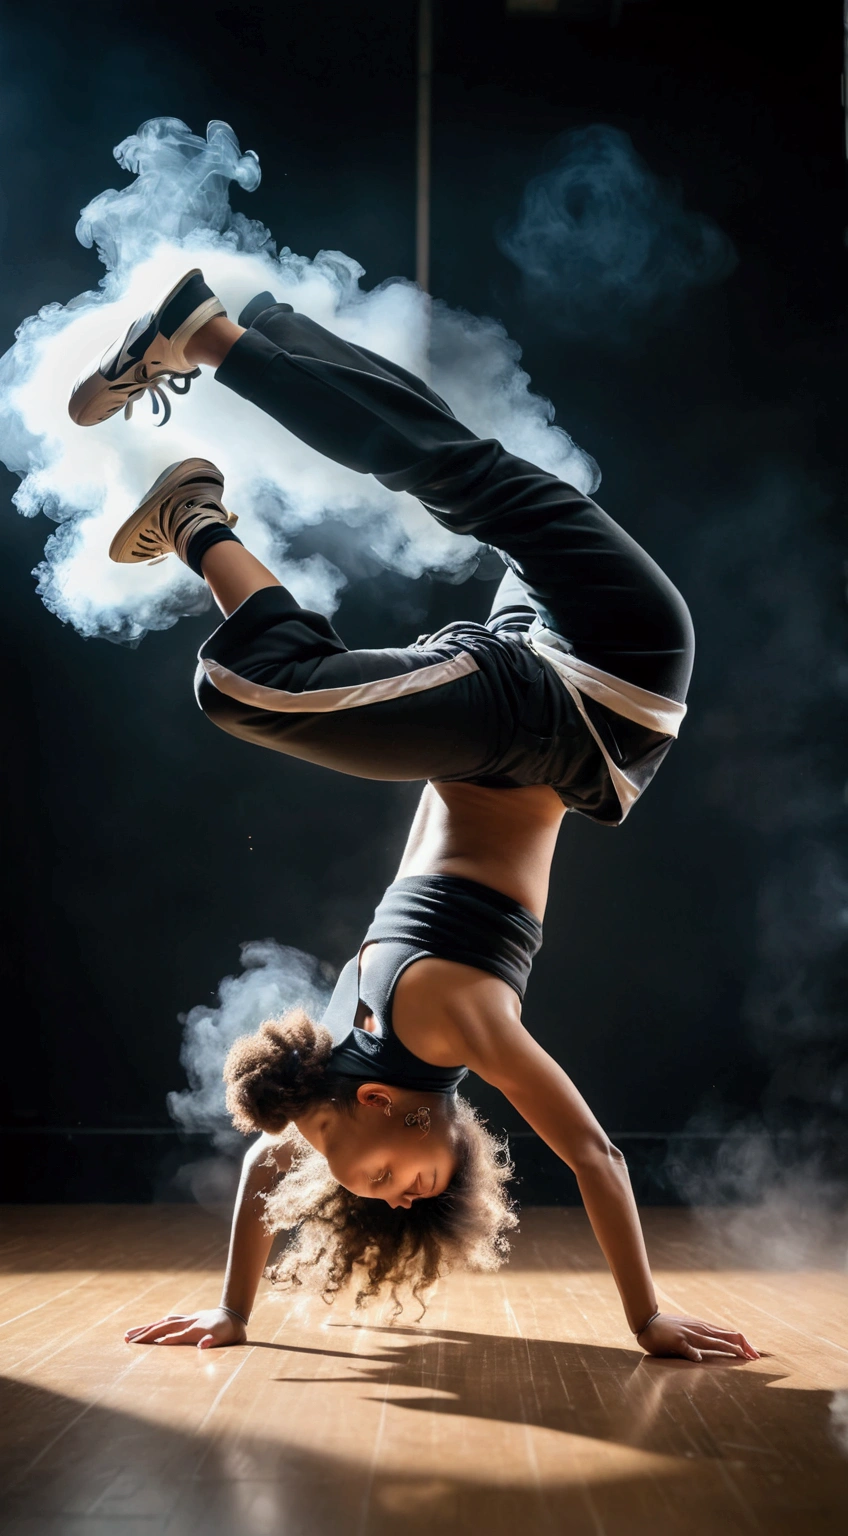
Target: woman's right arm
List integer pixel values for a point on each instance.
(250, 1245)
(495, 1044)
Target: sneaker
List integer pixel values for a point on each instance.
(185, 498)
(150, 354)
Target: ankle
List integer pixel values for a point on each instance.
(202, 540)
(233, 574)
(212, 342)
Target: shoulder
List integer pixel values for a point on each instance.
(272, 1152)
(451, 1014)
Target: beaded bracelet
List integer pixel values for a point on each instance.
(233, 1313)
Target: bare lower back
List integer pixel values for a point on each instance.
(505, 838)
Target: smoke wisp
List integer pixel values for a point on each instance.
(173, 216)
(273, 979)
(605, 243)
(839, 1420)
(774, 764)
(774, 1198)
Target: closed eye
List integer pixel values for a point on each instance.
(382, 1178)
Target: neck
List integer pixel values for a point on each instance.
(505, 838)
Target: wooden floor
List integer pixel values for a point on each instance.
(519, 1405)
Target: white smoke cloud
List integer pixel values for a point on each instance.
(604, 242)
(274, 978)
(176, 215)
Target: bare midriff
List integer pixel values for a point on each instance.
(504, 838)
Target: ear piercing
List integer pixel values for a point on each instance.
(419, 1117)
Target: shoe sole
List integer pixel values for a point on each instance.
(91, 392)
(170, 480)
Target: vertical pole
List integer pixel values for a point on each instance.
(425, 87)
(845, 71)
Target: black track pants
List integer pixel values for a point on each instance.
(473, 702)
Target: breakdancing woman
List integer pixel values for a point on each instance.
(568, 698)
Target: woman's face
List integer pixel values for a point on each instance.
(377, 1155)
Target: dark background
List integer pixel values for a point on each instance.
(692, 976)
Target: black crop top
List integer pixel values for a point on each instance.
(441, 916)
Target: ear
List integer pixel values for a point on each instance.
(376, 1096)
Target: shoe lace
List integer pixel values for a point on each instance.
(178, 384)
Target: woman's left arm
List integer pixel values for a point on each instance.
(508, 1057)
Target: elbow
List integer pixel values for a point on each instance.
(597, 1157)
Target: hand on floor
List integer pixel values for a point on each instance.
(208, 1330)
(689, 1337)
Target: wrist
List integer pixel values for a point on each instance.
(231, 1312)
(647, 1323)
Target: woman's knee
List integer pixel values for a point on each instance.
(216, 706)
(674, 638)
